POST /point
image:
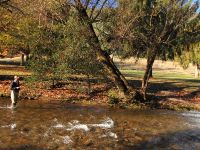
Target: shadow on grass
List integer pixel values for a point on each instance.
(6, 77)
(9, 77)
(156, 87)
(170, 87)
(3, 62)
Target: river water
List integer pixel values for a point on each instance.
(35, 126)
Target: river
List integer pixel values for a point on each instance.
(35, 126)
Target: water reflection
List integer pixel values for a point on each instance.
(53, 126)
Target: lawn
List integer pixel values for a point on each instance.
(159, 74)
(13, 70)
(167, 79)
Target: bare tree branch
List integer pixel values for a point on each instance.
(94, 7)
(87, 3)
(99, 12)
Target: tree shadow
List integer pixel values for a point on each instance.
(170, 89)
(9, 77)
(3, 62)
(6, 77)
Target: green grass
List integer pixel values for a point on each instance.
(19, 73)
(13, 70)
(161, 74)
(166, 78)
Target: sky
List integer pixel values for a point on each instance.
(114, 3)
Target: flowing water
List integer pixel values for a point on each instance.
(35, 126)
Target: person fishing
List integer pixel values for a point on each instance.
(14, 87)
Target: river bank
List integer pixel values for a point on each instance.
(76, 92)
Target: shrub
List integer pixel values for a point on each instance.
(113, 97)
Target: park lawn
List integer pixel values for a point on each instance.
(175, 90)
(159, 74)
(180, 80)
(7, 70)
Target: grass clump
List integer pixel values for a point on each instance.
(113, 97)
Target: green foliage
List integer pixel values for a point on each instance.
(45, 59)
(159, 29)
(113, 97)
(190, 56)
(54, 41)
(184, 59)
(59, 50)
(161, 26)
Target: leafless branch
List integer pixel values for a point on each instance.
(94, 7)
(87, 3)
(99, 12)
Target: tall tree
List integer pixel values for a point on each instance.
(158, 29)
(89, 12)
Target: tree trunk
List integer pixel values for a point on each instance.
(197, 69)
(27, 57)
(89, 84)
(22, 59)
(151, 73)
(148, 71)
(92, 39)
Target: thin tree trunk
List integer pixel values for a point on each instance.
(148, 71)
(102, 56)
(27, 57)
(22, 59)
(197, 70)
(53, 83)
(89, 84)
(151, 73)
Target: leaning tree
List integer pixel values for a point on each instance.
(90, 13)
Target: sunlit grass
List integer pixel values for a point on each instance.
(181, 80)
(19, 73)
(161, 74)
(14, 70)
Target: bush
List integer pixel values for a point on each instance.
(113, 97)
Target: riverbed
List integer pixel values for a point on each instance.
(32, 125)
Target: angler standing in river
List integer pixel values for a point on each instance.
(14, 87)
